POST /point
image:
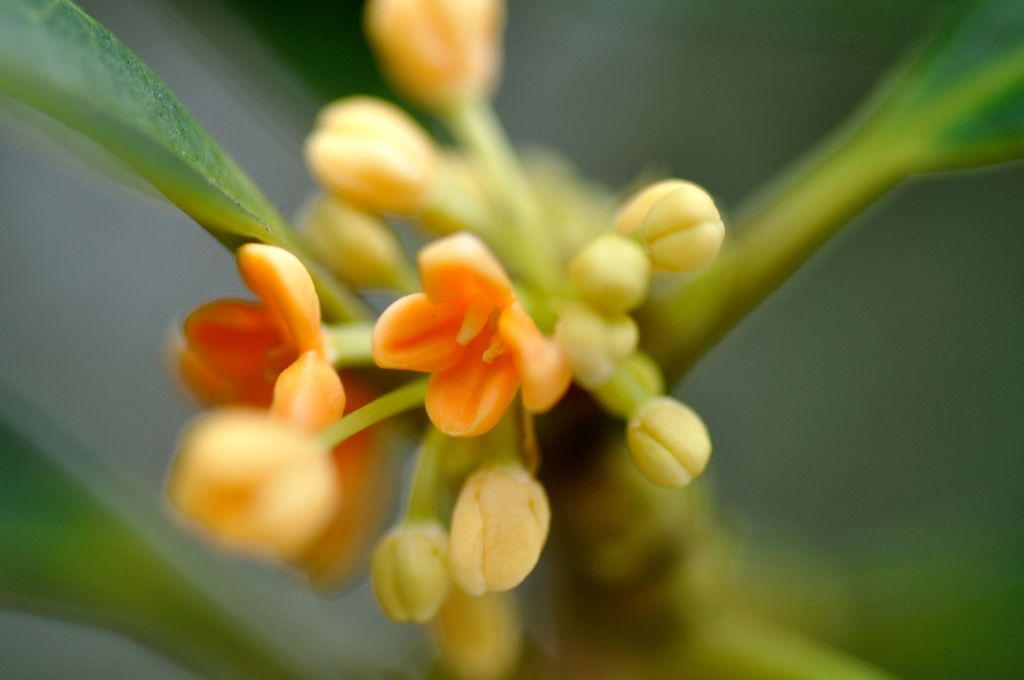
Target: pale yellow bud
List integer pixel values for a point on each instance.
(410, 571)
(479, 638)
(596, 343)
(681, 226)
(438, 51)
(612, 273)
(373, 155)
(255, 484)
(499, 527)
(668, 442)
(359, 247)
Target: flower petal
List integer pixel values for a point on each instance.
(231, 353)
(541, 363)
(460, 268)
(469, 398)
(309, 394)
(417, 335)
(284, 285)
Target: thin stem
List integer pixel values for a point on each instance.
(477, 129)
(350, 344)
(804, 210)
(423, 493)
(504, 443)
(742, 649)
(624, 392)
(407, 397)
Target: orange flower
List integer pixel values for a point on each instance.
(469, 330)
(234, 350)
(257, 478)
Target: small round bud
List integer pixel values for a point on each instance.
(256, 484)
(410, 571)
(438, 51)
(668, 442)
(372, 154)
(499, 527)
(479, 638)
(596, 343)
(359, 247)
(681, 226)
(611, 272)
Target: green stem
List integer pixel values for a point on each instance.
(525, 245)
(741, 649)
(423, 493)
(350, 344)
(807, 206)
(504, 442)
(402, 399)
(630, 387)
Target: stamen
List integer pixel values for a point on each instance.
(494, 350)
(476, 318)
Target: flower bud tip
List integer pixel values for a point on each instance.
(668, 442)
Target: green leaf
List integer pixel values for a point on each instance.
(57, 59)
(941, 599)
(75, 544)
(962, 103)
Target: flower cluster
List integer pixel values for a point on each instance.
(527, 279)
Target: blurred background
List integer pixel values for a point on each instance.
(869, 414)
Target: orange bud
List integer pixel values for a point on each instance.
(480, 638)
(438, 51)
(256, 485)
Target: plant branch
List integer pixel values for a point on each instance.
(742, 649)
(794, 218)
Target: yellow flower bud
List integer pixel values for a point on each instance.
(372, 154)
(255, 484)
(410, 571)
(359, 247)
(668, 442)
(681, 226)
(479, 637)
(499, 527)
(612, 273)
(438, 51)
(596, 343)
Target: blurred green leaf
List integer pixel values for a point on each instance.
(56, 58)
(963, 101)
(74, 544)
(946, 603)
